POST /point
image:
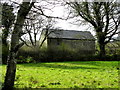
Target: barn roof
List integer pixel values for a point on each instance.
(70, 34)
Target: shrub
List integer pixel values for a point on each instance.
(113, 48)
(27, 55)
(25, 60)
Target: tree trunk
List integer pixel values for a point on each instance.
(11, 64)
(101, 42)
(102, 50)
(10, 73)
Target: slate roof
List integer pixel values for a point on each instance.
(71, 34)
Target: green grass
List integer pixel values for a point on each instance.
(88, 74)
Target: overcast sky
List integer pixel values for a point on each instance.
(59, 11)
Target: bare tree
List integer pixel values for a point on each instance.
(8, 18)
(18, 31)
(33, 28)
(103, 16)
(25, 7)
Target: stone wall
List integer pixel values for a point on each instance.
(83, 47)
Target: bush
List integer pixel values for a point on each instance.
(25, 60)
(27, 55)
(113, 48)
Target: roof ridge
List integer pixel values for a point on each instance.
(66, 30)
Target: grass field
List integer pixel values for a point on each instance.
(87, 74)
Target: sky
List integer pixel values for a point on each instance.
(60, 11)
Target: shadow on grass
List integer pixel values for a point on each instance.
(98, 63)
(93, 63)
(59, 66)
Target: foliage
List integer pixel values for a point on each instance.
(113, 48)
(64, 53)
(85, 74)
(35, 54)
(21, 59)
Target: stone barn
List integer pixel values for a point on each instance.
(81, 42)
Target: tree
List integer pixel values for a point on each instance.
(103, 16)
(36, 21)
(17, 33)
(33, 28)
(25, 7)
(8, 18)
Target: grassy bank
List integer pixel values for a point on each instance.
(87, 74)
